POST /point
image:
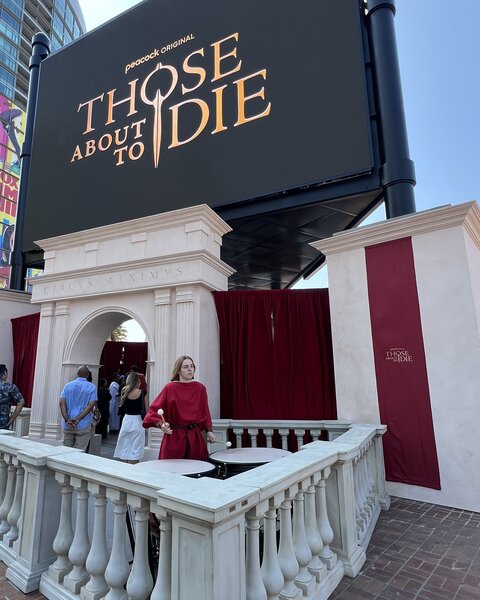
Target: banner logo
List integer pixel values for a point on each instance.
(218, 62)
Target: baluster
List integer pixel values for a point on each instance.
(253, 574)
(300, 435)
(3, 477)
(268, 436)
(253, 432)
(163, 585)
(370, 481)
(286, 553)
(304, 579)
(369, 500)
(358, 503)
(316, 566)
(284, 435)
(78, 552)
(15, 511)
(363, 484)
(324, 528)
(238, 436)
(118, 569)
(97, 558)
(271, 571)
(8, 498)
(64, 538)
(140, 582)
(315, 433)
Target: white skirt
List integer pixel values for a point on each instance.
(131, 439)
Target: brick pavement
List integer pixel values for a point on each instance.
(418, 551)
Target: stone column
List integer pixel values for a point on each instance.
(57, 379)
(41, 387)
(163, 354)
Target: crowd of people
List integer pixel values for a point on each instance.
(180, 410)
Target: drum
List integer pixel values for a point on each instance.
(239, 460)
(180, 466)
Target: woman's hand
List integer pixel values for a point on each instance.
(165, 427)
(210, 437)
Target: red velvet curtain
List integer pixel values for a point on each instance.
(121, 356)
(276, 355)
(25, 338)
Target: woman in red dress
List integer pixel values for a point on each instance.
(185, 416)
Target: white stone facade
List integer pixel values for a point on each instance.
(158, 270)
(446, 247)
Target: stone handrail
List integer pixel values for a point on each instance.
(218, 538)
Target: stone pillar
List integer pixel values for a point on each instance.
(55, 373)
(41, 388)
(163, 353)
(446, 253)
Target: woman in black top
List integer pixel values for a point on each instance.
(131, 439)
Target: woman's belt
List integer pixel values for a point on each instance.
(189, 426)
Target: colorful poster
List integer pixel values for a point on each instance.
(12, 127)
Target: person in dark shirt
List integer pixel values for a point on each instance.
(103, 403)
(9, 395)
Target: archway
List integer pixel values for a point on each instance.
(159, 271)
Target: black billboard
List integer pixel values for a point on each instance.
(177, 103)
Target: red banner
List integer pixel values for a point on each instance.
(402, 383)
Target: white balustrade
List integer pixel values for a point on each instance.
(210, 529)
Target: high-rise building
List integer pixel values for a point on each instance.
(62, 21)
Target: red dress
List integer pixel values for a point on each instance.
(185, 407)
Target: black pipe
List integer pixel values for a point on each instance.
(398, 171)
(40, 50)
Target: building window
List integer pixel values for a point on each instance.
(14, 6)
(69, 18)
(9, 26)
(60, 5)
(8, 54)
(57, 26)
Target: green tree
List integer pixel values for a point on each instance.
(119, 334)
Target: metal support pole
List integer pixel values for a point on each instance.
(40, 50)
(398, 171)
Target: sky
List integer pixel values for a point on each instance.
(439, 53)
